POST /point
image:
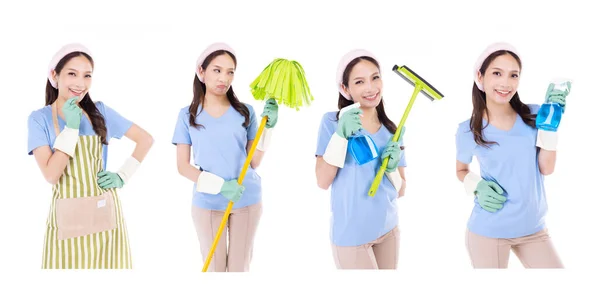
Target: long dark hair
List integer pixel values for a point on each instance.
(479, 103)
(86, 103)
(343, 102)
(200, 92)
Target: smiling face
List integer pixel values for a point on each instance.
(74, 79)
(501, 79)
(364, 84)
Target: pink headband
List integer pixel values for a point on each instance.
(62, 52)
(350, 56)
(210, 49)
(489, 50)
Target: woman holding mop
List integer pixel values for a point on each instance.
(364, 233)
(509, 196)
(68, 138)
(220, 129)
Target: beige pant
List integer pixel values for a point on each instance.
(534, 251)
(235, 253)
(382, 253)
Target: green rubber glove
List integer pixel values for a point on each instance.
(270, 110)
(109, 180)
(232, 190)
(392, 149)
(349, 123)
(72, 113)
(557, 96)
(489, 195)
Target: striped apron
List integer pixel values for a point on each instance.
(107, 249)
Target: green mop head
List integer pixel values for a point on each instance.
(284, 81)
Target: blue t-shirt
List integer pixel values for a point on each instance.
(41, 128)
(357, 218)
(220, 148)
(513, 164)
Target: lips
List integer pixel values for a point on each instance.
(76, 92)
(371, 98)
(502, 93)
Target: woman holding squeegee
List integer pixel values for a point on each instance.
(514, 155)
(69, 137)
(364, 232)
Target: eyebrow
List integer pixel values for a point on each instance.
(78, 70)
(494, 68)
(376, 73)
(222, 67)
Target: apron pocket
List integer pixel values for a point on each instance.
(86, 215)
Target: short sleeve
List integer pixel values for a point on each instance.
(182, 128)
(37, 135)
(116, 124)
(465, 144)
(253, 125)
(326, 130)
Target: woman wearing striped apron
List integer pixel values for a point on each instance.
(69, 138)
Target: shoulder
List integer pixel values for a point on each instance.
(534, 108)
(464, 127)
(329, 117)
(249, 107)
(185, 111)
(40, 115)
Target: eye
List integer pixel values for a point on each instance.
(230, 72)
(515, 75)
(376, 77)
(217, 71)
(88, 76)
(496, 73)
(72, 74)
(358, 82)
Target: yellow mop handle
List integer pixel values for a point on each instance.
(263, 122)
(381, 171)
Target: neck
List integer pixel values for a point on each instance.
(212, 99)
(369, 115)
(495, 110)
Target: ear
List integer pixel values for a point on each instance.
(480, 78)
(201, 72)
(54, 76)
(345, 89)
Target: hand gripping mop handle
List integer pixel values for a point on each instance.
(381, 171)
(263, 122)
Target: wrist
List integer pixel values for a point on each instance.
(209, 183)
(470, 183)
(128, 169)
(547, 140)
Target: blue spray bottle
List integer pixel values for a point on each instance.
(361, 145)
(550, 113)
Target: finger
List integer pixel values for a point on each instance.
(489, 209)
(491, 204)
(102, 173)
(496, 187)
(499, 198)
(550, 88)
(104, 179)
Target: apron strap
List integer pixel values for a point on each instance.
(55, 118)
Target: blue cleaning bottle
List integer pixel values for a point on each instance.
(550, 114)
(362, 147)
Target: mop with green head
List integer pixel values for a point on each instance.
(421, 86)
(283, 81)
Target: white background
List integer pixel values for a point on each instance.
(145, 55)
